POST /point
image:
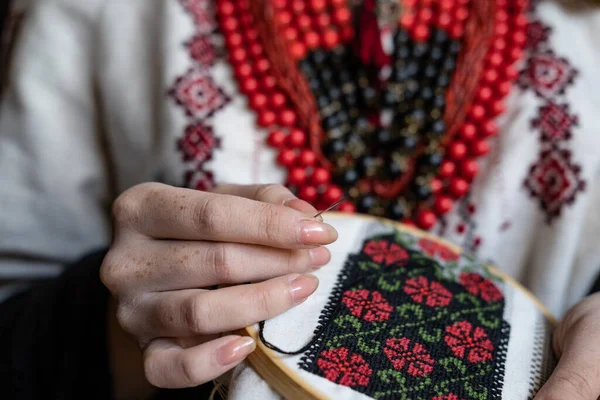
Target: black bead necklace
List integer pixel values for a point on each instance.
(351, 97)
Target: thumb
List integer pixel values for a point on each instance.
(577, 375)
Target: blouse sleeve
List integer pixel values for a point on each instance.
(54, 191)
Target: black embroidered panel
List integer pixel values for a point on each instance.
(411, 319)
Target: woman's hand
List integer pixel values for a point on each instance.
(172, 245)
(577, 343)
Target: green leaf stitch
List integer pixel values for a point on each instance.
(453, 365)
(369, 346)
(369, 266)
(480, 394)
(428, 337)
(391, 375)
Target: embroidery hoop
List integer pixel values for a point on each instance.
(287, 383)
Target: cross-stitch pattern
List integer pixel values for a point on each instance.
(412, 319)
(555, 180)
(199, 96)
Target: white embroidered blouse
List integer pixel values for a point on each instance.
(97, 100)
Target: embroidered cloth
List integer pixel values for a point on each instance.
(399, 316)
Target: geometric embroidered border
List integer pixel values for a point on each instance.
(199, 96)
(554, 180)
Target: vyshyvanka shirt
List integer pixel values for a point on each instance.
(103, 95)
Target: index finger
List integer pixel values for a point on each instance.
(172, 213)
(269, 193)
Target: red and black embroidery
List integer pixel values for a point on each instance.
(411, 357)
(346, 368)
(435, 249)
(554, 122)
(199, 179)
(202, 50)
(370, 306)
(469, 342)
(198, 143)
(406, 327)
(547, 74)
(198, 94)
(554, 179)
(481, 287)
(537, 33)
(433, 294)
(449, 396)
(203, 14)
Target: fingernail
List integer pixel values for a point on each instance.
(235, 350)
(317, 233)
(300, 205)
(303, 286)
(319, 256)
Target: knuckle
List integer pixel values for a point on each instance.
(190, 371)
(124, 319)
(125, 207)
(208, 216)
(194, 311)
(149, 188)
(111, 271)
(262, 301)
(269, 224)
(298, 261)
(219, 258)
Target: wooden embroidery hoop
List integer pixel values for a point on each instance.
(287, 382)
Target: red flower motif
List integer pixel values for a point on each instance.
(382, 251)
(343, 367)
(201, 50)
(198, 143)
(434, 294)
(449, 396)
(480, 286)
(401, 353)
(371, 306)
(433, 249)
(465, 341)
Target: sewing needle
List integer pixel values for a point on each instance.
(331, 207)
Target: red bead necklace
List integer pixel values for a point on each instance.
(283, 103)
